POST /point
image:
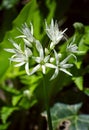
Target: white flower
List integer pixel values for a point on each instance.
(73, 48)
(61, 66)
(54, 34)
(42, 60)
(27, 34)
(20, 57)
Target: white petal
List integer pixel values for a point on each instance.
(65, 71)
(52, 45)
(16, 59)
(50, 65)
(40, 49)
(37, 59)
(27, 68)
(67, 66)
(15, 44)
(56, 57)
(65, 60)
(31, 28)
(27, 42)
(35, 69)
(10, 50)
(46, 58)
(52, 24)
(28, 52)
(43, 69)
(20, 64)
(21, 36)
(55, 74)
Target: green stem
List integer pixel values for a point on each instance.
(47, 104)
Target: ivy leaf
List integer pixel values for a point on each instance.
(63, 112)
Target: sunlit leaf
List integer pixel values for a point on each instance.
(6, 112)
(79, 82)
(15, 99)
(4, 126)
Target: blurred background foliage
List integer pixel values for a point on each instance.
(21, 97)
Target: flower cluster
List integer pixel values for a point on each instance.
(44, 58)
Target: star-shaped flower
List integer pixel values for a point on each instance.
(27, 34)
(19, 56)
(42, 60)
(61, 66)
(72, 47)
(54, 34)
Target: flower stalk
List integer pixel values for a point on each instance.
(47, 107)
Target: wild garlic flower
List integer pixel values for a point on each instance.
(19, 56)
(73, 48)
(41, 60)
(27, 34)
(54, 34)
(61, 66)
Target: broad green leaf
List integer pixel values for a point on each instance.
(6, 112)
(63, 112)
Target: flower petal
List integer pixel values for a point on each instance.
(35, 69)
(27, 68)
(20, 64)
(28, 43)
(55, 74)
(50, 65)
(10, 50)
(44, 69)
(65, 71)
(40, 49)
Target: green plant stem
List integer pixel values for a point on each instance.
(47, 104)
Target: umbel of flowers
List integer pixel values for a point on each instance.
(36, 57)
(45, 57)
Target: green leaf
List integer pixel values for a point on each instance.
(4, 126)
(63, 112)
(25, 103)
(15, 99)
(79, 82)
(86, 91)
(9, 89)
(6, 112)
